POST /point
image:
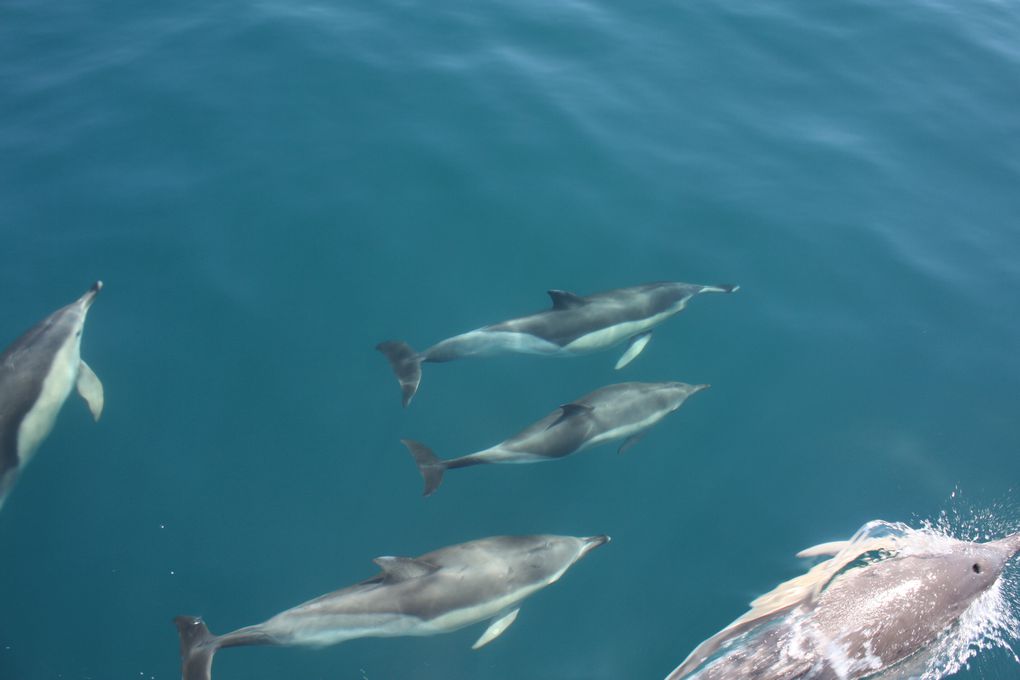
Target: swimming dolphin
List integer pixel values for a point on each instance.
(611, 412)
(439, 592)
(37, 373)
(575, 325)
(877, 601)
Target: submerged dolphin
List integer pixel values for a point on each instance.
(877, 601)
(439, 592)
(612, 412)
(574, 325)
(37, 373)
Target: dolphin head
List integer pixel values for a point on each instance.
(72, 317)
(676, 393)
(86, 300)
(566, 550)
(589, 543)
(967, 570)
(990, 559)
(75, 312)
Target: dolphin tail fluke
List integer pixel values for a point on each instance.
(429, 465)
(406, 365)
(720, 288)
(198, 646)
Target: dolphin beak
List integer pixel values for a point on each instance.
(89, 297)
(592, 542)
(1011, 544)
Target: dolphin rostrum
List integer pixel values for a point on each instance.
(880, 598)
(574, 325)
(37, 373)
(439, 592)
(624, 410)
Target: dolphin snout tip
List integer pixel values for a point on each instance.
(595, 541)
(91, 293)
(1012, 544)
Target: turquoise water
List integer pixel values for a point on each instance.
(268, 189)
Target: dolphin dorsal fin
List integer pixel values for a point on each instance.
(403, 568)
(570, 410)
(563, 299)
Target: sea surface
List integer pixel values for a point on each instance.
(270, 188)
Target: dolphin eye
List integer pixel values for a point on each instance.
(976, 568)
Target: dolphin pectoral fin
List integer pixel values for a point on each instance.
(570, 410)
(496, 628)
(563, 299)
(630, 441)
(7, 479)
(823, 549)
(90, 389)
(404, 568)
(637, 345)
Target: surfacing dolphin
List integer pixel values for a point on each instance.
(625, 410)
(880, 598)
(439, 592)
(574, 325)
(37, 373)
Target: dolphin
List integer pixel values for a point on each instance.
(875, 602)
(575, 325)
(438, 592)
(37, 373)
(621, 411)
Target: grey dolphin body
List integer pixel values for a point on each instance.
(438, 592)
(867, 610)
(624, 410)
(37, 373)
(575, 325)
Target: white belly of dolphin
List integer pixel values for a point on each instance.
(497, 342)
(459, 618)
(612, 335)
(56, 387)
(329, 629)
(627, 430)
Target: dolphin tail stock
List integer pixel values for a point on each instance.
(198, 646)
(406, 365)
(429, 465)
(720, 288)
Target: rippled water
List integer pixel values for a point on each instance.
(269, 189)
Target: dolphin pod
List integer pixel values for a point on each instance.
(439, 592)
(878, 599)
(873, 605)
(623, 411)
(37, 373)
(575, 325)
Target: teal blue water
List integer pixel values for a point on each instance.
(270, 188)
